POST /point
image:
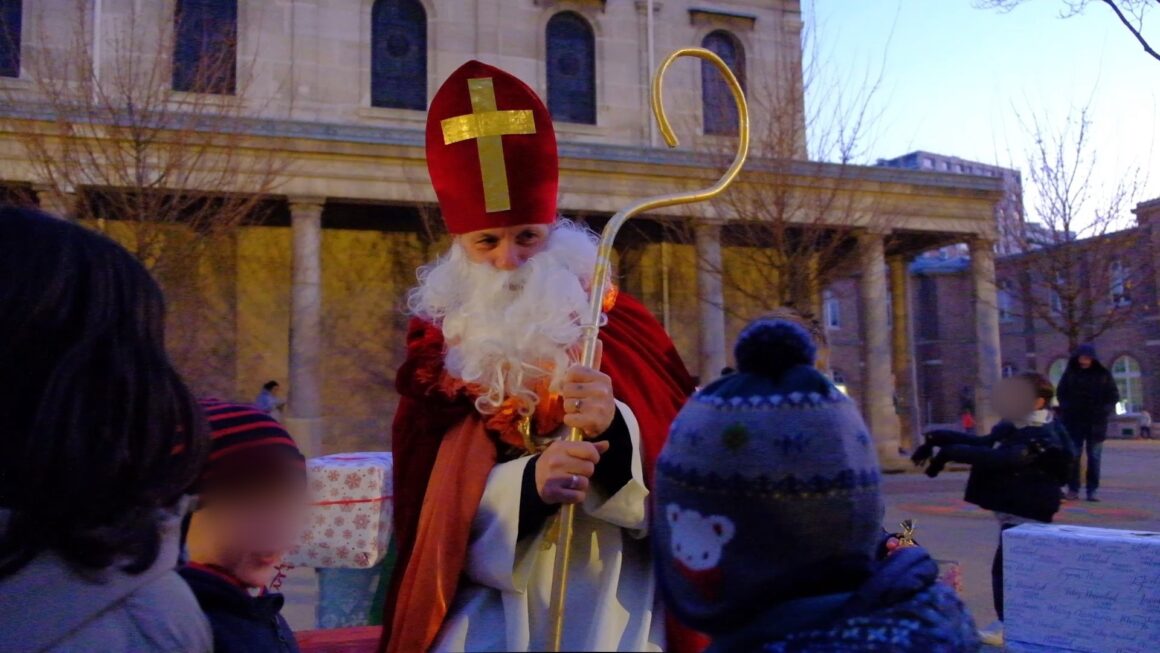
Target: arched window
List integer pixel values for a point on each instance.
(205, 46)
(399, 54)
(1055, 372)
(11, 15)
(1126, 371)
(719, 110)
(571, 69)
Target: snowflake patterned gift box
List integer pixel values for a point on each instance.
(349, 525)
(1081, 590)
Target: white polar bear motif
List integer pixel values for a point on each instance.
(697, 540)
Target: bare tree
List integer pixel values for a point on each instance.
(390, 267)
(1130, 13)
(369, 274)
(1074, 268)
(168, 173)
(788, 243)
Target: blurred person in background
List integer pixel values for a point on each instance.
(269, 402)
(1087, 399)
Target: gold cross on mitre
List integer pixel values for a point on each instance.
(488, 125)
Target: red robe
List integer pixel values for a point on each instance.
(647, 375)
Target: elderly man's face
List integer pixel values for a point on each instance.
(505, 248)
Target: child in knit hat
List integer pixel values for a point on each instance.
(1016, 471)
(768, 516)
(252, 497)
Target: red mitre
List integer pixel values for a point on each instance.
(491, 151)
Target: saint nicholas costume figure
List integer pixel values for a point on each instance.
(489, 387)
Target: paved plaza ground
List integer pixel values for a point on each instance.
(954, 530)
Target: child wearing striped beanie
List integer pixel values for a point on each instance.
(251, 502)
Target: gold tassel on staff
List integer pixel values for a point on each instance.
(601, 276)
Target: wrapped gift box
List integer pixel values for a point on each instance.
(354, 597)
(345, 596)
(349, 525)
(1077, 589)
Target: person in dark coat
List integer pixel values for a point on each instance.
(1087, 398)
(252, 496)
(1015, 471)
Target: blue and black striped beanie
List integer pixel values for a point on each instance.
(768, 488)
(247, 447)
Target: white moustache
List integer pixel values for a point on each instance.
(510, 331)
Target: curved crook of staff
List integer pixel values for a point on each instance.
(602, 276)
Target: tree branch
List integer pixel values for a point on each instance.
(1132, 28)
(1075, 7)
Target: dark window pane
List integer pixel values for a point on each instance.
(935, 397)
(720, 112)
(399, 54)
(927, 313)
(10, 17)
(205, 46)
(571, 69)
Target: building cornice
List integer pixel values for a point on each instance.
(414, 139)
(654, 167)
(713, 17)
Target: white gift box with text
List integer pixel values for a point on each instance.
(1073, 588)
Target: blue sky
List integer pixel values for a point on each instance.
(954, 77)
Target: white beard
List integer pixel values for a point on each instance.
(509, 331)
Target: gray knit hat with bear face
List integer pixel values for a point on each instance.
(767, 489)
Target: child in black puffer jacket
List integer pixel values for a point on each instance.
(1016, 471)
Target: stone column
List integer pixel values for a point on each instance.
(989, 354)
(304, 414)
(877, 377)
(900, 351)
(647, 130)
(711, 296)
(59, 202)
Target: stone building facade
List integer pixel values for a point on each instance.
(1130, 347)
(313, 293)
(1008, 211)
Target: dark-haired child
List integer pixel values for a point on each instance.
(99, 440)
(1016, 471)
(252, 496)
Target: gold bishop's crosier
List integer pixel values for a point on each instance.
(600, 281)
